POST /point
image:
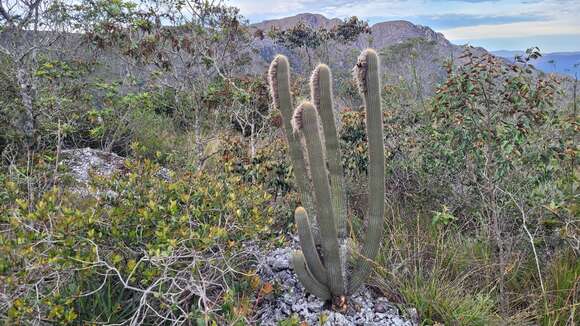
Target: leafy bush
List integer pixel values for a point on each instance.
(479, 178)
(142, 249)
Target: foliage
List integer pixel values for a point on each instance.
(436, 173)
(150, 242)
(268, 166)
(353, 142)
(300, 35)
(305, 37)
(410, 63)
(350, 29)
(438, 272)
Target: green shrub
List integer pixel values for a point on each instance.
(140, 240)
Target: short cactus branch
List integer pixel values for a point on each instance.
(310, 283)
(308, 245)
(324, 273)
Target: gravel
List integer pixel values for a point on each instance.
(289, 299)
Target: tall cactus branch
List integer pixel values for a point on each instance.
(321, 94)
(367, 74)
(306, 120)
(279, 78)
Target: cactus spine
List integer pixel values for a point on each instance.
(324, 274)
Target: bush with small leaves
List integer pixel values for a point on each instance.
(142, 249)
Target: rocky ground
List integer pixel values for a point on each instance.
(81, 161)
(289, 299)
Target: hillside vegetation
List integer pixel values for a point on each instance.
(481, 158)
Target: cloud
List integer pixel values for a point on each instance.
(446, 21)
(518, 29)
(470, 1)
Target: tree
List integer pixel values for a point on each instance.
(304, 37)
(300, 36)
(182, 46)
(30, 29)
(350, 29)
(485, 120)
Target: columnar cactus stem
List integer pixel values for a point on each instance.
(324, 274)
(307, 119)
(279, 78)
(367, 73)
(308, 245)
(321, 93)
(310, 283)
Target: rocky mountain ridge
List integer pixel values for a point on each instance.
(385, 33)
(408, 51)
(411, 55)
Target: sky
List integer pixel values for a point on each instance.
(552, 25)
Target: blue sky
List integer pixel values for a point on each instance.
(553, 25)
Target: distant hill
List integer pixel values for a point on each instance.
(559, 62)
(403, 46)
(411, 55)
(312, 20)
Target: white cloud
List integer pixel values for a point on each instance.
(519, 29)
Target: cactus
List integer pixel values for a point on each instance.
(279, 79)
(319, 178)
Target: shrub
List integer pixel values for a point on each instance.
(142, 249)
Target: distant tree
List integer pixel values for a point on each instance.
(299, 36)
(304, 37)
(181, 45)
(30, 30)
(350, 29)
(345, 32)
(531, 54)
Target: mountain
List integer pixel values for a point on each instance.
(384, 33)
(411, 54)
(558, 62)
(312, 20)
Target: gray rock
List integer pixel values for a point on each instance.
(382, 307)
(280, 263)
(81, 163)
(364, 308)
(414, 315)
